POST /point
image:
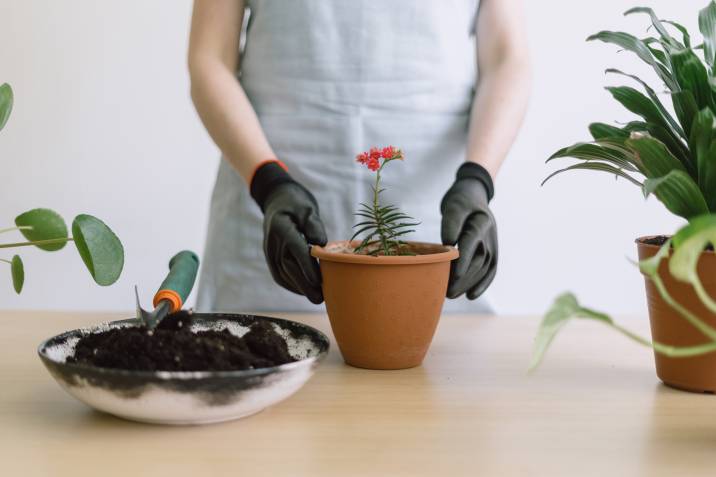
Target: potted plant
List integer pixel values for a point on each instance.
(672, 157)
(100, 249)
(383, 295)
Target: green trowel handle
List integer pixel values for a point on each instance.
(180, 280)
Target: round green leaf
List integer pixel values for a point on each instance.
(18, 273)
(100, 249)
(6, 100)
(46, 225)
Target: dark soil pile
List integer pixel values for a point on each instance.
(172, 346)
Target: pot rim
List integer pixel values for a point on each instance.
(640, 242)
(450, 253)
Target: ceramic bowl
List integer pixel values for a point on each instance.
(174, 397)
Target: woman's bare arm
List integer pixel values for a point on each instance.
(220, 100)
(503, 83)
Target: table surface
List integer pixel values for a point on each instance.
(594, 408)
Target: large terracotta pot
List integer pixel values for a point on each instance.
(384, 310)
(698, 373)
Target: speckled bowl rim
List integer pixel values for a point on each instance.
(318, 337)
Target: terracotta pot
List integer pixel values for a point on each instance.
(698, 373)
(384, 310)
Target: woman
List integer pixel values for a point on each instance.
(320, 80)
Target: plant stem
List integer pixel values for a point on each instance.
(36, 242)
(707, 330)
(376, 213)
(10, 229)
(671, 351)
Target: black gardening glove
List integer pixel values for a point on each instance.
(469, 223)
(291, 222)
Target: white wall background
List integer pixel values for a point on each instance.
(103, 124)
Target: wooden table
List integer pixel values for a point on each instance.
(594, 408)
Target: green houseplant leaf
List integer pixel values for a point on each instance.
(666, 38)
(692, 76)
(685, 108)
(6, 101)
(674, 127)
(44, 224)
(707, 26)
(703, 145)
(640, 48)
(689, 244)
(99, 247)
(566, 308)
(679, 193)
(18, 273)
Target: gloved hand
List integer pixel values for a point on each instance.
(468, 222)
(291, 222)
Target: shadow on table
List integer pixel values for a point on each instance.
(682, 428)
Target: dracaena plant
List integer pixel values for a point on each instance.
(382, 226)
(672, 156)
(100, 249)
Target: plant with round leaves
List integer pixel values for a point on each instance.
(98, 246)
(672, 156)
(685, 248)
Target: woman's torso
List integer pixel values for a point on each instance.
(329, 79)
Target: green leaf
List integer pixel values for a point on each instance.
(605, 131)
(658, 25)
(18, 273)
(703, 146)
(653, 158)
(635, 45)
(679, 193)
(602, 150)
(363, 229)
(686, 38)
(564, 308)
(686, 108)
(639, 104)
(707, 26)
(6, 101)
(692, 76)
(669, 121)
(100, 249)
(689, 244)
(46, 225)
(595, 166)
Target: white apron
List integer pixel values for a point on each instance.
(329, 79)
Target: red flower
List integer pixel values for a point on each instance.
(362, 157)
(375, 153)
(373, 164)
(388, 152)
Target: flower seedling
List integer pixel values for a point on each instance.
(383, 225)
(100, 249)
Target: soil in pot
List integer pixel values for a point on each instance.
(173, 346)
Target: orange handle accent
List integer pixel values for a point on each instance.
(171, 296)
(263, 163)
